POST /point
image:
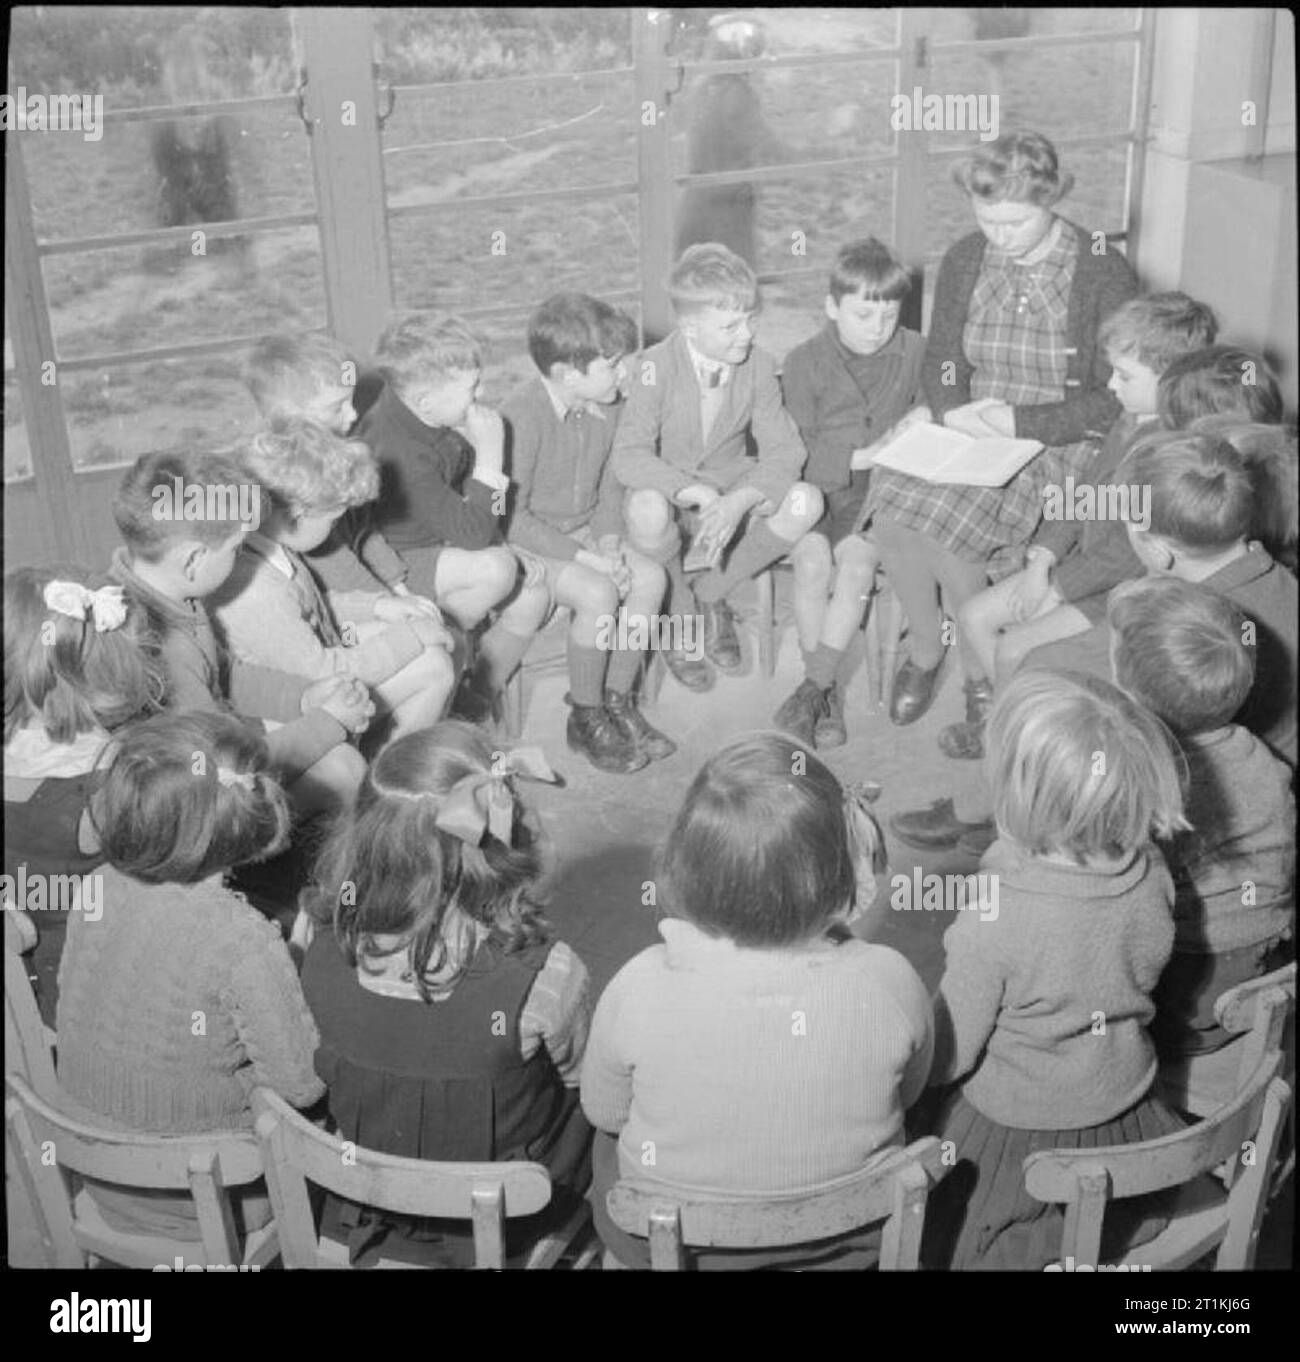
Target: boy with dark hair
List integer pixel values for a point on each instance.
(567, 511)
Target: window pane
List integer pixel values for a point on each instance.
(779, 32)
(493, 257)
(115, 415)
(142, 297)
(139, 176)
(138, 55)
(436, 44)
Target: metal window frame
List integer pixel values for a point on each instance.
(352, 213)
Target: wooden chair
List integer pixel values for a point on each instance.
(894, 1191)
(29, 1043)
(486, 1194)
(1220, 1215)
(1262, 1014)
(72, 1230)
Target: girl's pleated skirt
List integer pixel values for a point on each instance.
(980, 1217)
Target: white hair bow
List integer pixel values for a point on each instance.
(107, 606)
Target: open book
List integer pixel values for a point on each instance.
(938, 454)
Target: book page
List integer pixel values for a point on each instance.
(939, 455)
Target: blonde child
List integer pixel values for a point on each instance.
(1071, 563)
(700, 399)
(1042, 1012)
(272, 611)
(760, 1050)
(181, 997)
(79, 664)
(443, 495)
(846, 388)
(312, 377)
(452, 1021)
(568, 512)
(183, 518)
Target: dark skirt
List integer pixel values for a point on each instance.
(981, 1218)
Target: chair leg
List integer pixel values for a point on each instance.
(765, 621)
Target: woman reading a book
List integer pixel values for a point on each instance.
(1012, 351)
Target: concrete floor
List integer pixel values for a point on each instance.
(605, 827)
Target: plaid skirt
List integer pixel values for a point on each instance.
(978, 524)
(981, 1218)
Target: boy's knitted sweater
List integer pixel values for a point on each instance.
(842, 401)
(751, 1072)
(192, 666)
(272, 612)
(1101, 283)
(428, 491)
(1043, 1008)
(1242, 814)
(561, 470)
(175, 1004)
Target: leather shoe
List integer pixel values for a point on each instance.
(937, 826)
(913, 692)
(721, 642)
(692, 672)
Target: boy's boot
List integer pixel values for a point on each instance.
(965, 741)
(801, 713)
(721, 642)
(830, 730)
(626, 716)
(592, 732)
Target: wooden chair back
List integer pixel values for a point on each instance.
(44, 1145)
(1242, 1137)
(894, 1191)
(486, 1194)
(28, 1041)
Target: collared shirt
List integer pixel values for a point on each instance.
(582, 407)
(706, 368)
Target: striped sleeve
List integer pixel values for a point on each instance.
(557, 1013)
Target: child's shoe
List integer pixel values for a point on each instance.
(593, 732)
(721, 642)
(965, 741)
(800, 714)
(472, 700)
(830, 730)
(633, 725)
(692, 672)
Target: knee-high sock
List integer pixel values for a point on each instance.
(759, 548)
(624, 664)
(499, 653)
(587, 673)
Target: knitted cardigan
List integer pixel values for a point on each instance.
(174, 1004)
(1101, 283)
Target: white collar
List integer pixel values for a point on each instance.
(275, 554)
(705, 366)
(1045, 247)
(31, 755)
(562, 408)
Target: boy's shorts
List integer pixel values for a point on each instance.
(843, 509)
(550, 568)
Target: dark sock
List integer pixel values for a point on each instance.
(623, 667)
(759, 548)
(587, 674)
(823, 665)
(681, 599)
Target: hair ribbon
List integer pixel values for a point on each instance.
(484, 802)
(246, 780)
(107, 606)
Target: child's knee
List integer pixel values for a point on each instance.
(434, 668)
(590, 592)
(497, 570)
(802, 506)
(648, 515)
(1010, 650)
